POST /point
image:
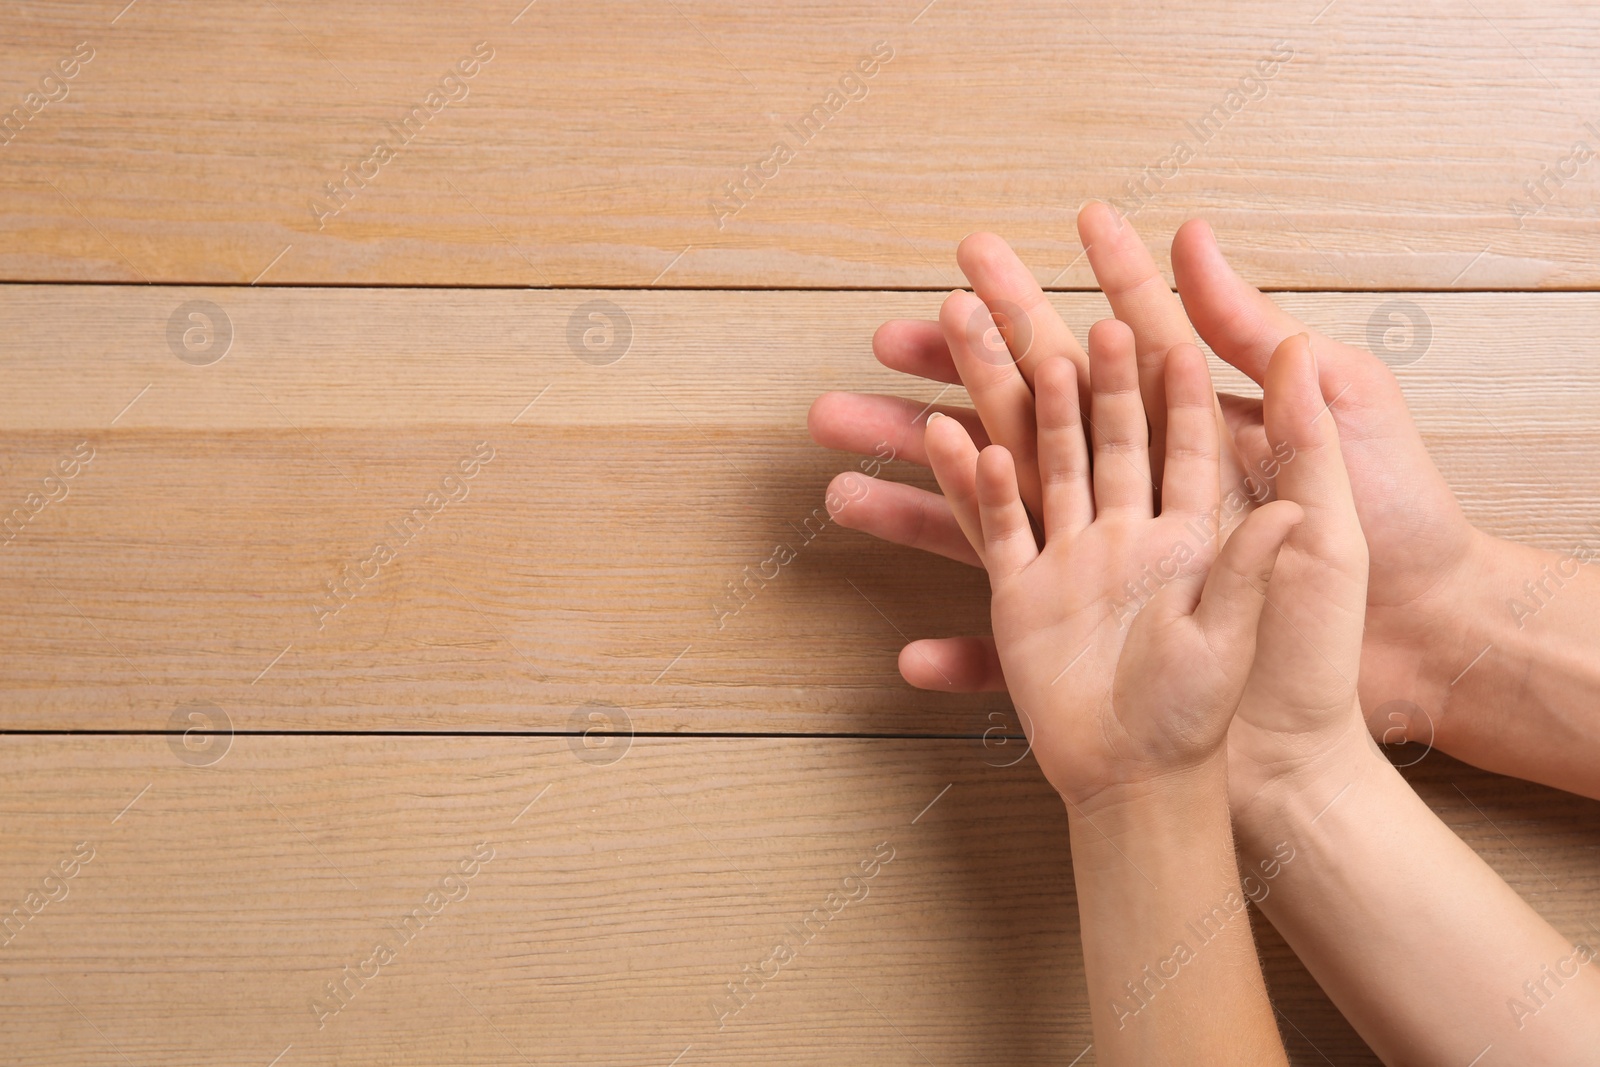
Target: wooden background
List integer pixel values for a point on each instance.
(753, 763)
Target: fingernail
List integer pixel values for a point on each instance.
(1310, 351)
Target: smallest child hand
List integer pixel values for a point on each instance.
(1126, 639)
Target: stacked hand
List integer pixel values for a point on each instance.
(1125, 649)
(1192, 660)
(1420, 542)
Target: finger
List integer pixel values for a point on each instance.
(1235, 592)
(1193, 481)
(997, 389)
(1139, 296)
(900, 514)
(1241, 413)
(955, 464)
(882, 426)
(1008, 544)
(915, 346)
(1033, 330)
(1238, 321)
(1302, 432)
(1063, 452)
(1117, 424)
(1249, 433)
(953, 664)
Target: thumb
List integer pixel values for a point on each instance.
(1236, 589)
(1238, 321)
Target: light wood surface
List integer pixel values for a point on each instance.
(620, 900)
(574, 583)
(1385, 151)
(585, 562)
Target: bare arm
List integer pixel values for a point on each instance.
(1513, 683)
(1170, 960)
(1134, 738)
(1427, 952)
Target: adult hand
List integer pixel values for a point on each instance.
(1420, 541)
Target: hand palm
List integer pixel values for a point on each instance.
(1124, 646)
(1105, 698)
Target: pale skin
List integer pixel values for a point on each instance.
(1379, 850)
(1128, 701)
(1444, 944)
(1442, 592)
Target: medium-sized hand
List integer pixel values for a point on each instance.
(1423, 550)
(1299, 705)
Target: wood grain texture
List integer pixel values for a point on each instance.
(1388, 150)
(619, 901)
(588, 561)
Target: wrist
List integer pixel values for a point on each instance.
(1410, 673)
(1300, 793)
(1517, 695)
(1159, 813)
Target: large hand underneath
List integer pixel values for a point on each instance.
(1443, 596)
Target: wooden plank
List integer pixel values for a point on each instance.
(1346, 145)
(620, 900)
(588, 561)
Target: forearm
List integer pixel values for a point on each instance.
(1170, 960)
(1519, 691)
(1427, 952)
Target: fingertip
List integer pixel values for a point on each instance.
(1110, 335)
(1281, 515)
(955, 312)
(1056, 390)
(1197, 258)
(918, 666)
(1188, 376)
(940, 431)
(1059, 376)
(915, 668)
(997, 457)
(1291, 385)
(885, 337)
(1112, 358)
(983, 251)
(1195, 235)
(997, 475)
(819, 415)
(844, 489)
(949, 447)
(1097, 219)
